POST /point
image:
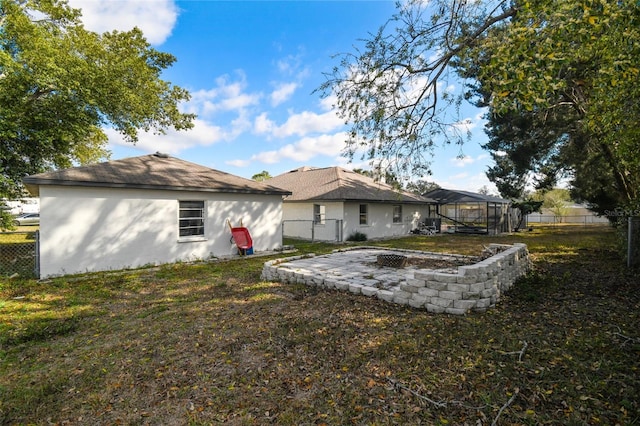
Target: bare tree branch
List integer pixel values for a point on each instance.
(520, 353)
(505, 406)
(391, 92)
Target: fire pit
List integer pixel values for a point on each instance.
(438, 282)
(392, 260)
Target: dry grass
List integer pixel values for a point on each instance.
(212, 343)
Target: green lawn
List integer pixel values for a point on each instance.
(19, 235)
(212, 343)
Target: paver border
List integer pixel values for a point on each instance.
(456, 291)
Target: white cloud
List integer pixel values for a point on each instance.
(238, 163)
(156, 18)
(292, 65)
(328, 103)
(239, 125)
(466, 182)
(305, 149)
(459, 176)
(286, 65)
(308, 122)
(263, 125)
(466, 125)
(283, 92)
(299, 124)
(466, 160)
(202, 134)
(226, 96)
(462, 161)
(267, 157)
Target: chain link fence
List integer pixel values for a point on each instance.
(327, 230)
(19, 254)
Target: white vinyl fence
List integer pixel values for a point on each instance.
(533, 218)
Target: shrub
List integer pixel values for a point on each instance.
(357, 236)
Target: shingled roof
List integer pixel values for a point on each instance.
(155, 171)
(338, 184)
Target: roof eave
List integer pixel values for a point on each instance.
(360, 200)
(33, 185)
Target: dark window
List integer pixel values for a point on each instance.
(363, 214)
(397, 214)
(191, 222)
(318, 214)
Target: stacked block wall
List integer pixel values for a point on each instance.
(474, 287)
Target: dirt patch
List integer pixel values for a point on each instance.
(431, 263)
(427, 263)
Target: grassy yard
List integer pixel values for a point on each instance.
(212, 343)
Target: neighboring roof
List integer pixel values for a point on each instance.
(338, 184)
(155, 171)
(452, 196)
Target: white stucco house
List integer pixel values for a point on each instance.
(332, 203)
(151, 209)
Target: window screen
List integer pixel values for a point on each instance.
(397, 214)
(319, 214)
(363, 214)
(191, 221)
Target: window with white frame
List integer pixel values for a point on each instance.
(364, 216)
(397, 213)
(191, 219)
(319, 215)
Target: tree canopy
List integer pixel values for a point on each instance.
(421, 186)
(563, 98)
(61, 84)
(558, 79)
(262, 176)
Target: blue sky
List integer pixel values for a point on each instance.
(252, 67)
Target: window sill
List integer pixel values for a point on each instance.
(194, 239)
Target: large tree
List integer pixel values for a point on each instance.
(394, 91)
(563, 96)
(61, 84)
(559, 80)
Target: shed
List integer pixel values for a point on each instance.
(147, 210)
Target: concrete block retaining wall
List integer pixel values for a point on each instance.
(475, 287)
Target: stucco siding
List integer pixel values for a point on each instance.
(94, 229)
(380, 219)
(298, 220)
